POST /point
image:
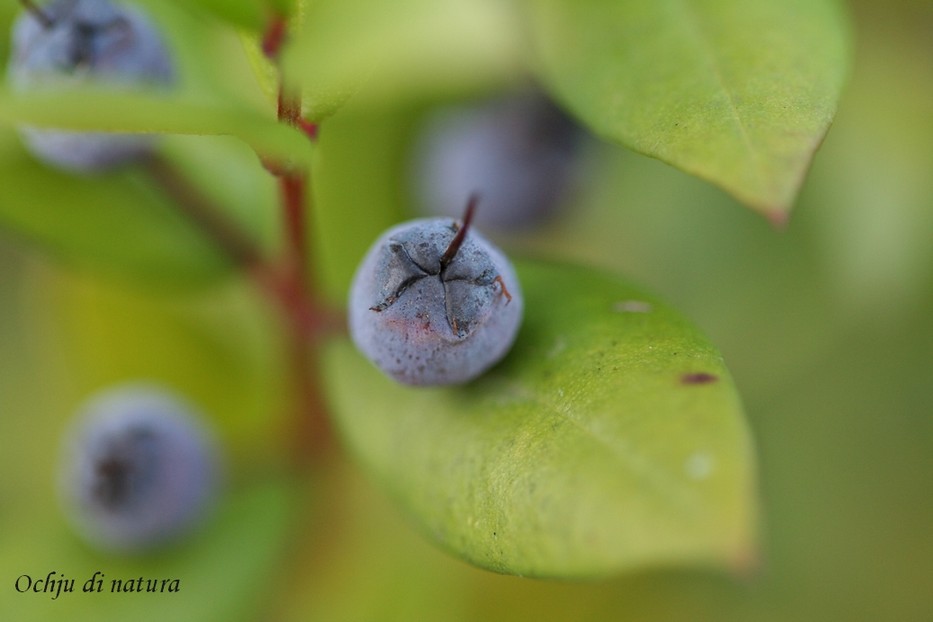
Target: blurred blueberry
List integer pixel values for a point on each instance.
(70, 43)
(139, 468)
(520, 153)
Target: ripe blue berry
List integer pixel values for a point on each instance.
(138, 469)
(69, 43)
(434, 303)
(520, 153)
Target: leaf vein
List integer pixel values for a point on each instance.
(694, 24)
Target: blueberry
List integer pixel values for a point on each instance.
(520, 152)
(434, 303)
(68, 43)
(138, 468)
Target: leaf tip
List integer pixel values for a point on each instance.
(746, 563)
(778, 219)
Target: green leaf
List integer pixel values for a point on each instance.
(154, 112)
(610, 438)
(398, 49)
(737, 92)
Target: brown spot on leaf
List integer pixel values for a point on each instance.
(700, 377)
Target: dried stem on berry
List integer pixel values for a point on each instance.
(41, 16)
(505, 290)
(457, 242)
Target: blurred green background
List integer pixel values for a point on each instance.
(826, 327)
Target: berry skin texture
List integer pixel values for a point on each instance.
(424, 321)
(86, 42)
(138, 469)
(520, 152)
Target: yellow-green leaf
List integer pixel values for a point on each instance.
(610, 438)
(737, 92)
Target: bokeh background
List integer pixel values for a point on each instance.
(826, 327)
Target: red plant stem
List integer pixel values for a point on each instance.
(274, 37)
(292, 184)
(293, 190)
(287, 284)
(201, 212)
(308, 320)
(309, 430)
(289, 110)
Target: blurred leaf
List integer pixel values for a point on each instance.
(249, 14)
(105, 334)
(120, 223)
(208, 53)
(78, 335)
(115, 111)
(398, 49)
(610, 438)
(112, 224)
(357, 188)
(217, 581)
(737, 92)
(364, 548)
(265, 71)
(226, 172)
